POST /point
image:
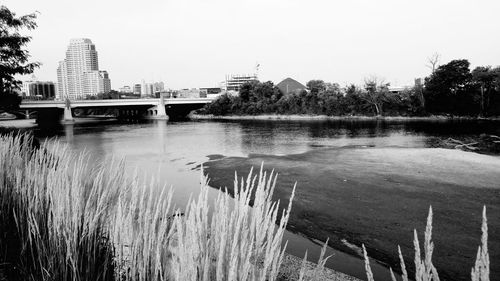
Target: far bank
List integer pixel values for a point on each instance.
(294, 117)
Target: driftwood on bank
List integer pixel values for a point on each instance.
(489, 144)
(460, 145)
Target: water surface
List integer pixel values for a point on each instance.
(347, 172)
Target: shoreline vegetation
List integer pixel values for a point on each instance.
(451, 90)
(64, 219)
(297, 117)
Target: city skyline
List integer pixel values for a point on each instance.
(195, 44)
(78, 74)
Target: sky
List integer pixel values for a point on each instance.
(195, 43)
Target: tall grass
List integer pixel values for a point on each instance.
(425, 269)
(237, 242)
(55, 212)
(64, 217)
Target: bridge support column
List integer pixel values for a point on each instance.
(27, 115)
(161, 113)
(68, 116)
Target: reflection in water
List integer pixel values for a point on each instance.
(68, 133)
(161, 126)
(177, 149)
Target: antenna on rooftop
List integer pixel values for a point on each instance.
(257, 66)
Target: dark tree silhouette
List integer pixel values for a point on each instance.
(448, 90)
(13, 56)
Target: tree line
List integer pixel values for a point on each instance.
(452, 89)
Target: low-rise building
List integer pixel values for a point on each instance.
(39, 89)
(188, 93)
(125, 89)
(234, 82)
(137, 89)
(210, 92)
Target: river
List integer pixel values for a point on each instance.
(358, 182)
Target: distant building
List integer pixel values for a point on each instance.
(78, 74)
(96, 82)
(62, 80)
(290, 85)
(125, 89)
(188, 93)
(397, 89)
(137, 89)
(419, 82)
(234, 82)
(210, 92)
(147, 89)
(158, 87)
(39, 89)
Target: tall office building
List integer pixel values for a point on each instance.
(78, 74)
(62, 80)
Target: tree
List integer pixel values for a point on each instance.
(485, 80)
(447, 89)
(13, 56)
(376, 94)
(316, 86)
(433, 61)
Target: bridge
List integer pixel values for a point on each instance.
(160, 108)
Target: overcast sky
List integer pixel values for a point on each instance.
(195, 43)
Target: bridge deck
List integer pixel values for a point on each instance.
(111, 103)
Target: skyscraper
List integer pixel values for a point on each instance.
(78, 74)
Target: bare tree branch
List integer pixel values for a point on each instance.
(433, 61)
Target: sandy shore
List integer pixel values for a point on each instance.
(325, 117)
(290, 270)
(18, 123)
(379, 196)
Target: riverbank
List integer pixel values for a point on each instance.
(378, 196)
(18, 123)
(290, 271)
(297, 117)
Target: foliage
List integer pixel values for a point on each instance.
(486, 82)
(238, 241)
(425, 269)
(447, 90)
(321, 99)
(9, 101)
(64, 217)
(452, 89)
(13, 56)
(104, 96)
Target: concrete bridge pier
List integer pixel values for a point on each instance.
(161, 113)
(157, 112)
(67, 115)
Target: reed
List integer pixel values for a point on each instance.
(64, 217)
(425, 269)
(60, 208)
(73, 221)
(237, 242)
